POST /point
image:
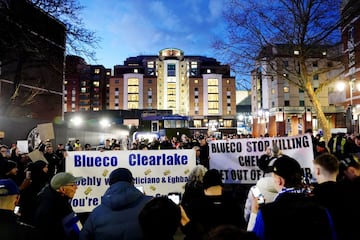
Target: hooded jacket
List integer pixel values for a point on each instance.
(117, 215)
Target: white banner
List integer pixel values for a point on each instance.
(159, 172)
(237, 158)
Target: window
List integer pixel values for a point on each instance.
(301, 103)
(149, 81)
(117, 81)
(208, 70)
(193, 69)
(286, 89)
(133, 82)
(287, 103)
(273, 91)
(136, 70)
(171, 70)
(316, 77)
(83, 90)
(315, 64)
(286, 64)
(96, 83)
(196, 81)
(301, 90)
(97, 70)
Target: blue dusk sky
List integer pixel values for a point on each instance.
(130, 28)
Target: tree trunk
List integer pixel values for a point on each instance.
(319, 112)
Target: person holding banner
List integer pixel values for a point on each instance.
(292, 215)
(117, 215)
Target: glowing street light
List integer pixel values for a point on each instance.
(77, 121)
(105, 123)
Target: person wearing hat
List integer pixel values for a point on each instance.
(10, 227)
(117, 215)
(320, 148)
(293, 214)
(8, 169)
(216, 207)
(54, 215)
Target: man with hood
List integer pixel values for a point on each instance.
(117, 215)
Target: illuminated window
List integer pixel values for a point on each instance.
(136, 70)
(133, 93)
(133, 97)
(197, 123)
(97, 70)
(228, 123)
(213, 96)
(196, 81)
(83, 90)
(133, 82)
(212, 89)
(133, 105)
(286, 89)
(213, 82)
(133, 89)
(96, 84)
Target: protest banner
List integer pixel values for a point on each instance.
(237, 158)
(158, 172)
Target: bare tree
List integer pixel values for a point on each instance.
(79, 40)
(32, 45)
(306, 26)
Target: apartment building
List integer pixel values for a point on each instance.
(194, 86)
(282, 108)
(350, 96)
(85, 86)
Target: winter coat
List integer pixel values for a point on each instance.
(117, 215)
(53, 215)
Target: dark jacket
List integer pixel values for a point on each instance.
(331, 195)
(28, 199)
(209, 212)
(117, 216)
(11, 229)
(293, 216)
(193, 191)
(53, 215)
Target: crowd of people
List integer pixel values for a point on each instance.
(35, 197)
